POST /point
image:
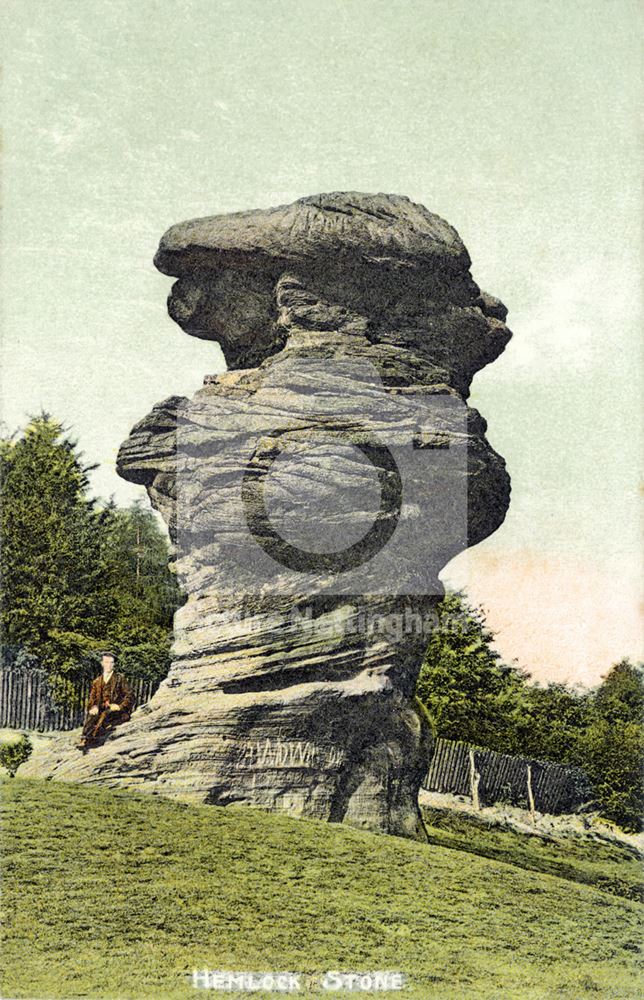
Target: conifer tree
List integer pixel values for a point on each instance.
(53, 571)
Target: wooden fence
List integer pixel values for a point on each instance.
(27, 701)
(489, 777)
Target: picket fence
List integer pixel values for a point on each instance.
(27, 702)
(490, 777)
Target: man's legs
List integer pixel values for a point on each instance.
(93, 729)
(96, 727)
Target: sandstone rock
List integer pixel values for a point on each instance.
(313, 493)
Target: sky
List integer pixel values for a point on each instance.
(515, 120)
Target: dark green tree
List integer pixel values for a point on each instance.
(53, 579)
(549, 722)
(469, 692)
(136, 554)
(472, 695)
(613, 745)
(146, 592)
(620, 696)
(76, 576)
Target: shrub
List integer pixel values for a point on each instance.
(613, 762)
(14, 752)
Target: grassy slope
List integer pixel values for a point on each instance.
(615, 867)
(114, 895)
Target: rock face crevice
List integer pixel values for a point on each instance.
(313, 493)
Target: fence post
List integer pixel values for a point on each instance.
(475, 780)
(530, 795)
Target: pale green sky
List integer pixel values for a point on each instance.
(516, 121)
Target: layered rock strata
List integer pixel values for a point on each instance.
(313, 493)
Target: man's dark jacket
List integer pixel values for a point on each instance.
(115, 691)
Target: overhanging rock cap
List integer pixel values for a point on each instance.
(385, 230)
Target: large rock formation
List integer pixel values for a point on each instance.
(313, 493)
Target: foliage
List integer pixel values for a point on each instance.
(469, 692)
(613, 746)
(620, 697)
(53, 574)
(13, 657)
(549, 721)
(473, 696)
(149, 660)
(136, 559)
(146, 592)
(237, 888)
(14, 752)
(77, 577)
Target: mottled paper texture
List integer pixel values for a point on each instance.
(513, 124)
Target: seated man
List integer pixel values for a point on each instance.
(111, 702)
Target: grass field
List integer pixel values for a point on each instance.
(614, 867)
(114, 895)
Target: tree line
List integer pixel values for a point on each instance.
(470, 694)
(78, 575)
